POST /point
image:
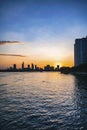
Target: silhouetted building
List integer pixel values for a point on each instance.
(35, 67)
(49, 68)
(22, 65)
(80, 51)
(10, 68)
(14, 66)
(32, 66)
(28, 66)
(57, 68)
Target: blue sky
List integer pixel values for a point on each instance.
(46, 28)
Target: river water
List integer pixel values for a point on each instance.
(42, 101)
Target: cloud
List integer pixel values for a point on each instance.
(9, 42)
(12, 55)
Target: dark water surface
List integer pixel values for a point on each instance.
(43, 101)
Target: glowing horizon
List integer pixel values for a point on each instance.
(8, 61)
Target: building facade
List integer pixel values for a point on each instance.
(80, 51)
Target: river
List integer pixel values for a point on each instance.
(42, 101)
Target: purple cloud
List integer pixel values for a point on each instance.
(12, 55)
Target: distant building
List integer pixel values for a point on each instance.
(22, 65)
(35, 67)
(14, 66)
(32, 66)
(80, 51)
(49, 68)
(57, 68)
(28, 66)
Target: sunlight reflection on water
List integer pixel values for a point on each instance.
(47, 100)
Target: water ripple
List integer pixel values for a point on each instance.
(32, 101)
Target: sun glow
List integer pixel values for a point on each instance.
(57, 63)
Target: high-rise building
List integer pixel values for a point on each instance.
(80, 51)
(32, 66)
(22, 65)
(35, 67)
(14, 66)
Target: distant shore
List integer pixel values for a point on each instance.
(75, 73)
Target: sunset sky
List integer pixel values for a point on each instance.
(41, 31)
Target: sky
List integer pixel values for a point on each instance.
(40, 31)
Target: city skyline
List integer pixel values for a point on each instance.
(29, 68)
(41, 31)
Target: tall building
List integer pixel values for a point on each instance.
(32, 66)
(80, 51)
(14, 66)
(22, 65)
